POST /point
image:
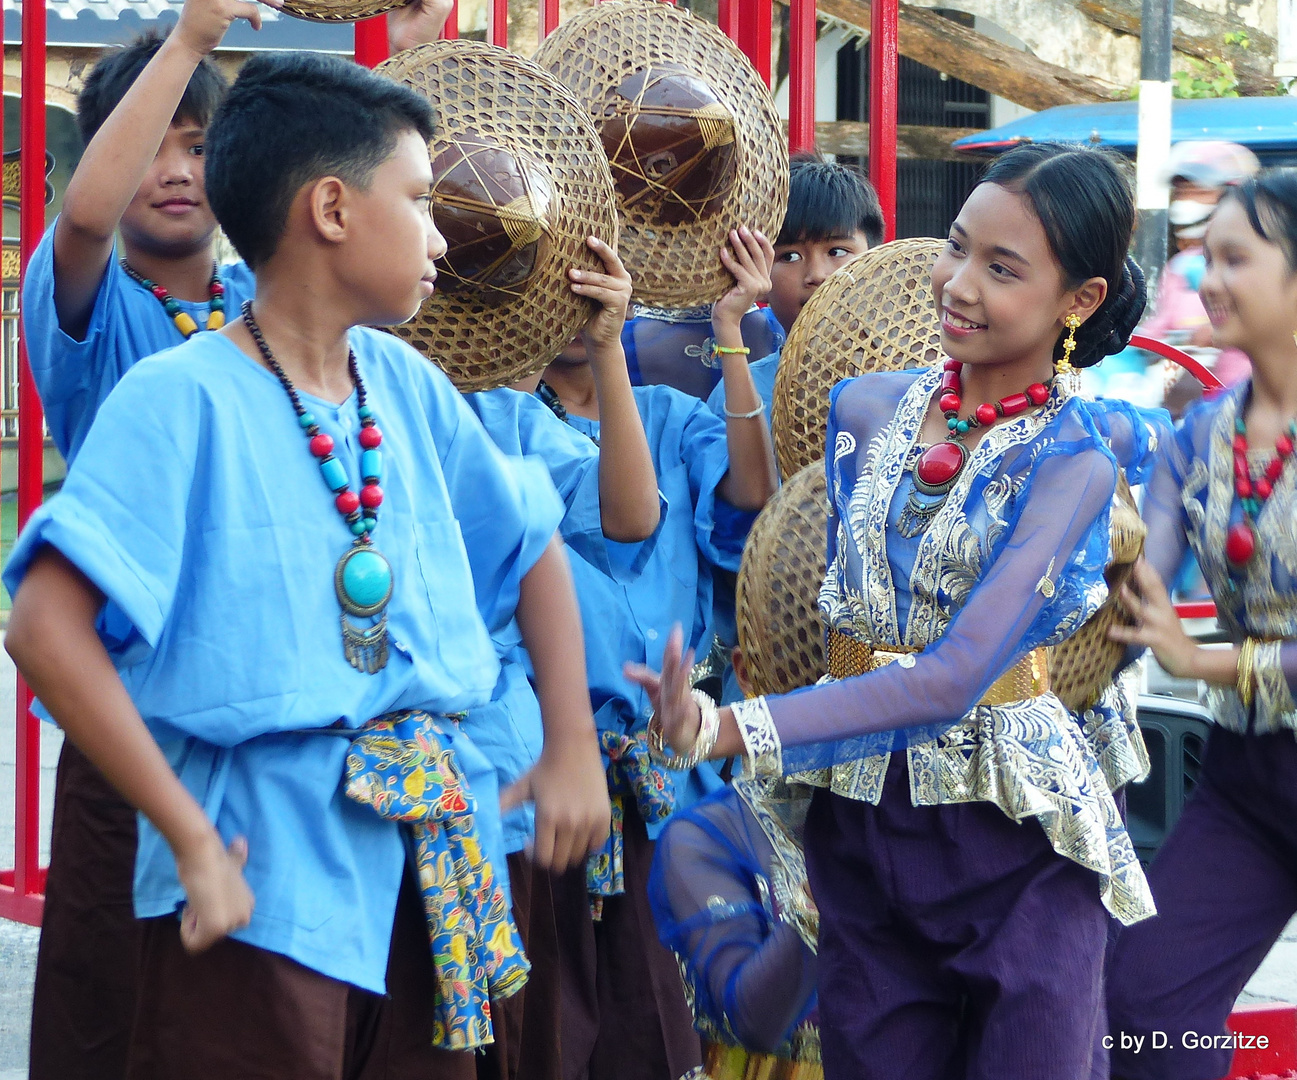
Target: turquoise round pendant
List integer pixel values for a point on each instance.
(363, 580)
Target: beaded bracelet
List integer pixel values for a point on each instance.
(761, 407)
(1246, 673)
(708, 730)
(717, 351)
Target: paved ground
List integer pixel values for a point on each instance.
(1275, 981)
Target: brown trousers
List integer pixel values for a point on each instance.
(625, 1016)
(86, 963)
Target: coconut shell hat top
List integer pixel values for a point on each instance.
(876, 314)
(692, 135)
(519, 182)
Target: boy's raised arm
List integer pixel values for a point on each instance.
(117, 160)
(752, 477)
(567, 784)
(628, 489)
(52, 639)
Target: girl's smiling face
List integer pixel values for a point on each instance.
(1249, 289)
(999, 290)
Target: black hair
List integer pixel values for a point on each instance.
(117, 71)
(1083, 199)
(1270, 199)
(828, 200)
(289, 119)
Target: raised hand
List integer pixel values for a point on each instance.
(611, 290)
(674, 709)
(417, 23)
(749, 257)
(218, 899)
(203, 23)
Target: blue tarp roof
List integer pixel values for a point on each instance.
(1261, 123)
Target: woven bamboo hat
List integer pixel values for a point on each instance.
(339, 10)
(874, 314)
(519, 182)
(692, 135)
(779, 586)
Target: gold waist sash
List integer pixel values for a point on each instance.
(1028, 678)
(722, 1062)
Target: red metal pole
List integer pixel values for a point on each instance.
(451, 30)
(500, 23)
(884, 64)
(801, 76)
(371, 41)
(754, 34)
(28, 881)
(727, 18)
(548, 18)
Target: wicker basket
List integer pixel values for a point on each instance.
(692, 133)
(779, 587)
(519, 182)
(339, 10)
(874, 314)
(1081, 667)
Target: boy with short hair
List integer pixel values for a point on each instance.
(833, 216)
(206, 609)
(91, 310)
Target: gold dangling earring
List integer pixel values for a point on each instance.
(1064, 366)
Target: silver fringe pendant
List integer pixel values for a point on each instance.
(363, 583)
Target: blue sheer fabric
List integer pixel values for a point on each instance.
(1191, 503)
(1013, 561)
(714, 890)
(670, 346)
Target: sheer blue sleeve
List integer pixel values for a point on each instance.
(1040, 575)
(752, 975)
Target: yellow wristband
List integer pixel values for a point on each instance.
(718, 351)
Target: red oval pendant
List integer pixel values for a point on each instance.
(1240, 543)
(938, 466)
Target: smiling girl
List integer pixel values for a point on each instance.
(965, 841)
(1224, 881)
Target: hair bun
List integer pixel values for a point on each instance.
(1109, 330)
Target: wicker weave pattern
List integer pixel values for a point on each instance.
(779, 585)
(674, 257)
(874, 314)
(1082, 666)
(339, 10)
(514, 323)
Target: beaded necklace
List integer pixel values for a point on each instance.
(1253, 491)
(184, 321)
(362, 579)
(940, 464)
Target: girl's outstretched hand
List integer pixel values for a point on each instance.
(674, 708)
(1157, 626)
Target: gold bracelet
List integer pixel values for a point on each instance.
(1246, 673)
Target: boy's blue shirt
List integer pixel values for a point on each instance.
(509, 728)
(127, 324)
(629, 619)
(199, 512)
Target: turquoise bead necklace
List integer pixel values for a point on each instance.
(362, 579)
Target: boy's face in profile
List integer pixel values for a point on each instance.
(801, 267)
(169, 215)
(392, 241)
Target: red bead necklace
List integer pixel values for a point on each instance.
(939, 465)
(1253, 491)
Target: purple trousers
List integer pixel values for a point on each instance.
(955, 944)
(1225, 883)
